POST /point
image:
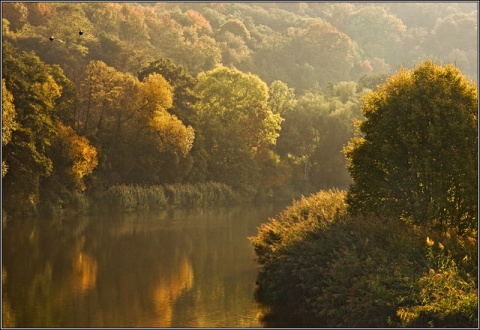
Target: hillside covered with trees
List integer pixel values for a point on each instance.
(400, 247)
(260, 98)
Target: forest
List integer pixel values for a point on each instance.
(257, 98)
(399, 248)
(368, 109)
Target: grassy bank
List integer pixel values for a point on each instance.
(138, 198)
(340, 271)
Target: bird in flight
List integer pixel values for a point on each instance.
(52, 38)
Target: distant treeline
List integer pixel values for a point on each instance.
(259, 97)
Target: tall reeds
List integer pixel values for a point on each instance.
(138, 198)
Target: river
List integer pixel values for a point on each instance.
(178, 268)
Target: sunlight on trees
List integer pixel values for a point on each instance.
(155, 128)
(8, 120)
(417, 155)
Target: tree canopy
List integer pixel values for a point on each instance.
(260, 96)
(236, 123)
(417, 153)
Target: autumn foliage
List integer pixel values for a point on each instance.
(260, 97)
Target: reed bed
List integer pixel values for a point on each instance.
(143, 198)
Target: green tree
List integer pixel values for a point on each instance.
(455, 31)
(235, 52)
(338, 14)
(124, 38)
(182, 83)
(34, 92)
(301, 135)
(132, 27)
(371, 81)
(313, 136)
(197, 53)
(236, 27)
(165, 34)
(454, 40)
(185, 37)
(281, 98)
(69, 49)
(236, 124)
(8, 120)
(39, 13)
(417, 156)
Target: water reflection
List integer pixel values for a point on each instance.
(171, 285)
(182, 268)
(8, 316)
(85, 272)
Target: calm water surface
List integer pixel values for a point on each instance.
(179, 268)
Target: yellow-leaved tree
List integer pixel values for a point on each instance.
(129, 123)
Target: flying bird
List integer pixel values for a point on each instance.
(52, 38)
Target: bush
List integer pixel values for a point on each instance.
(447, 293)
(343, 271)
(78, 202)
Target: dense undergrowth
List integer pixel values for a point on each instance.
(344, 271)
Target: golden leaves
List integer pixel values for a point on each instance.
(157, 91)
(172, 134)
(8, 115)
(430, 242)
(78, 151)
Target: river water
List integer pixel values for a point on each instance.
(177, 268)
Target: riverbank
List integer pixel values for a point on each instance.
(137, 198)
(340, 271)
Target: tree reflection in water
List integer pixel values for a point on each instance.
(182, 268)
(171, 284)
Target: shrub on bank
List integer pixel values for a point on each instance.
(342, 271)
(71, 203)
(447, 291)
